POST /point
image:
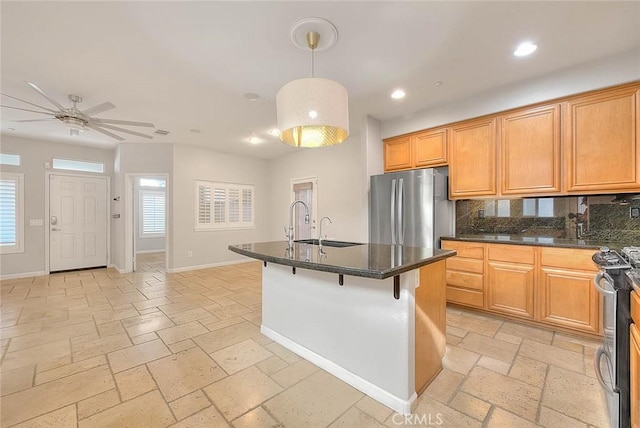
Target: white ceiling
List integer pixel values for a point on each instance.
(186, 65)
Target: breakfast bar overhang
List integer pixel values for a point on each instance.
(373, 315)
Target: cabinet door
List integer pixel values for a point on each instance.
(465, 273)
(530, 151)
(510, 288)
(601, 142)
(397, 153)
(567, 298)
(430, 148)
(472, 170)
(635, 375)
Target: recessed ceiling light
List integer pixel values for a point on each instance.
(251, 96)
(438, 83)
(525, 48)
(398, 94)
(11, 129)
(254, 139)
(195, 131)
(275, 132)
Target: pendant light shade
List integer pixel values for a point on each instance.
(313, 112)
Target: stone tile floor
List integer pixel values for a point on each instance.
(152, 349)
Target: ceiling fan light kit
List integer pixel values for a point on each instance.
(313, 112)
(77, 120)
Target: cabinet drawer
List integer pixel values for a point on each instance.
(465, 249)
(467, 265)
(635, 307)
(568, 258)
(464, 279)
(465, 297)
(512, 253)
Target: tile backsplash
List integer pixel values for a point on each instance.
(583, 217)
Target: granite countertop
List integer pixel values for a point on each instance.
(540, 241)
(377, 261)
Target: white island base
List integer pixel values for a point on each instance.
(390, 349)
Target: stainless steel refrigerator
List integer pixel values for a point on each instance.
(410, 208)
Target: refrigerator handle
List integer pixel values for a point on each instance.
(401, 213)
(393, 211)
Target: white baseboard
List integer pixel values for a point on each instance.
(401, 406)
(161, 250)
(207, 266)
(116, 267)
(23, 275)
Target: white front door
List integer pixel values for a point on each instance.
(77, 222)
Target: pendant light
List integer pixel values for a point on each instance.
(313, 112)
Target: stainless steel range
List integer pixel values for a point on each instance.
(612, 357)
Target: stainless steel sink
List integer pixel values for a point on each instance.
(328, 243)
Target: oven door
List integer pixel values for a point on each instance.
(603, 282)
(605, 357)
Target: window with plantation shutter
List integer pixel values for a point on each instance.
(152, 213)
(224, 206)
(11, 209)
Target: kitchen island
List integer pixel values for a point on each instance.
(373, 315)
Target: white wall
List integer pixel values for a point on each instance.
(341, 196)
(210, 247)
(618, 69)
(34, 154)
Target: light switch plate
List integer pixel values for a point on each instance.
(634, 212)
(35, 222)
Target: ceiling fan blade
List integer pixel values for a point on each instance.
(122, 122)
(105, 132)
(27, 102)
(115, 128)
(32, 111)
(36, 120)
(99, 108)
(41, 92)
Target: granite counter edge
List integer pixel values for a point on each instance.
(364, 273)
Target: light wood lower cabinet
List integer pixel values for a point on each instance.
(552, 286)
(635, 375)
(465, 273)
(634, 359)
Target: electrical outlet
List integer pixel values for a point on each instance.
(189, 253)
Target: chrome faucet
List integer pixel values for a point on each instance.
(289, 232)
(320, 235)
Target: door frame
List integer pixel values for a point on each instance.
(128, 217)
(47, 216)
(314, 209)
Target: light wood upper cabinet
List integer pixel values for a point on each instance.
(530, 151)
(472, 159)
(397, 153)
(601, 142)
(430, 148)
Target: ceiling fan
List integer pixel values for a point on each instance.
(79, 120)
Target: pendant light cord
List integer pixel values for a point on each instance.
(312, 62)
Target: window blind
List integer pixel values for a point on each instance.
(224, 205)
(8, 212)
(153, 212)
